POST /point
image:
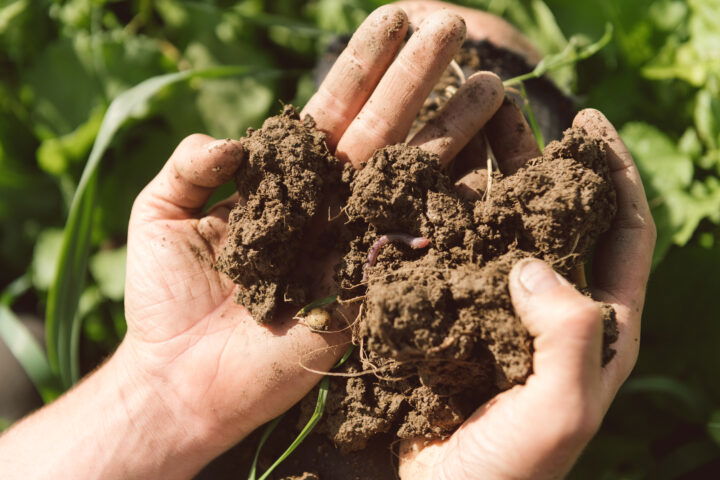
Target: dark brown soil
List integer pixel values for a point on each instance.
(282, 184)
(437, 333)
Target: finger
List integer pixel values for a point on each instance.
(480, 26)
(222, 208)
(623, 256)
(197, 166)
(388, 114)
(567, 328)
(213, 226)
(357, 71)
(511, 138)
(472, 156)
(462, 117)
(473, 184)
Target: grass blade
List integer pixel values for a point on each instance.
(573, 53)
(263, 438)
(29, 354)
(309, 426)
(62, 322)
(317, 303)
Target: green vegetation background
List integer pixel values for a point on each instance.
(62, 63)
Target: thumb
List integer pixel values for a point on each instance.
(566, 324)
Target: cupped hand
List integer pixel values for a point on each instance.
(538, 430)
(221, 373)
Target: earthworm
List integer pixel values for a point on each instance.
(412, 242)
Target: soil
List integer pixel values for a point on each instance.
(284, 181)
(436, 335)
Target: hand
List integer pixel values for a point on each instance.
(539, 429)
(216, 369)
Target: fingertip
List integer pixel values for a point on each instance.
(390, 17)
(532, 281)
(209, 164)
(451, 26)
(589, 116)
(489, 79)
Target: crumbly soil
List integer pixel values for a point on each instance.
(436, 335)
(284, 181)
(437, 331)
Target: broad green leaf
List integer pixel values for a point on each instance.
(108, 269)
(707, 118)
(57, 154)
(667, 175)
(29, 354)
(4, 424)
(664, 167)
(95, 68)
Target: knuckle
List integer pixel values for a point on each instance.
(580, 312)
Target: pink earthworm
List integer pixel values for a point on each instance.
(412, 242)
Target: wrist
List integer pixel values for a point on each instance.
(162, 424)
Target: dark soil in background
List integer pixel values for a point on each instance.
(437, 333)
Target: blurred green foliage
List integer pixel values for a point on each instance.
(63, 62)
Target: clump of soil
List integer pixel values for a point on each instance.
(437, 328)
(436, 334)
(282, 183)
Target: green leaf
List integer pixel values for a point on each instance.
(309, 426)
(108, 269)
(57, 154)
(667, 175)
(45, 258)
(269, 428)
(307, 429)
(29, 354)
(663, 166)
(4, 424)
(707, 118)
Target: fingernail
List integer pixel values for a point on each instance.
(536, 276)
